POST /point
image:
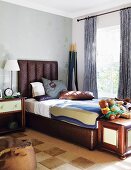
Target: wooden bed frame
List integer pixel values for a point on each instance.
(31, 71)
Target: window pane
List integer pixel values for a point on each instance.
(108, 56)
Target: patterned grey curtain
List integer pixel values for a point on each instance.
(125, 54)
(90, 78)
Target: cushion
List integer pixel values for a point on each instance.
(76, 95)
(53, 87)
(37, 89)
(42, 98)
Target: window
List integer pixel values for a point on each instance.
(108, 59)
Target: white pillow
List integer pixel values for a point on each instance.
(37, 89)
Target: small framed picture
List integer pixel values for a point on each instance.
(0, 93)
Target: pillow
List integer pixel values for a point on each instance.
(42, 98)
(76, 95)
(53, 87)
(37, 89)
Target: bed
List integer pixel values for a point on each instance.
(30, 71)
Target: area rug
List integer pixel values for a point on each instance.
(55, 154)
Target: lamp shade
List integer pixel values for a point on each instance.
(12, 65)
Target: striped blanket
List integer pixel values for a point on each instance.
(81, 113)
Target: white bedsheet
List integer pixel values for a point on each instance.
(41, 108)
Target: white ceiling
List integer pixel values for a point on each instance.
(72, 8)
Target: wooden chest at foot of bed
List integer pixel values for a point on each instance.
(115, 136)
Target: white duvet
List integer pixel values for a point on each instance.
(41, 108)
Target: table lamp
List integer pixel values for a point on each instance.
(11, 65)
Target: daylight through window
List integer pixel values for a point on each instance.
(108, 59)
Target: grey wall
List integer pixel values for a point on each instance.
(30, 34)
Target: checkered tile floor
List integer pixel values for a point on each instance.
(52, 157)
(52, 153)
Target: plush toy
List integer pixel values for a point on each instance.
(127, 106)
(126, 115)
(108, 114)
(116, 108)
(121, 105)
(113, 110)
(126, 103)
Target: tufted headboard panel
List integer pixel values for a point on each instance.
(31, 71)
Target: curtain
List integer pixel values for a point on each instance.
(90, 77)
(124, 89)
(72, 68)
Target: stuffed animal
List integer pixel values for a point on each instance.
(108, 114)
(126, 103)
(126, 115)
(113, 110)
(120, 108)
(121, 105)
(127, 106)
(116, 108)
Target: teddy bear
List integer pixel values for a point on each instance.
(115, 107)
(119, 108)
(121, 105)
(108, 114)
(113, 110)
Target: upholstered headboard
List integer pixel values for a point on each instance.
(31, 71)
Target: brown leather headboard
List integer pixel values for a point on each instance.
(31, 71)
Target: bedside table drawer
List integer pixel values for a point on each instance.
(12, 110)
(10, 106)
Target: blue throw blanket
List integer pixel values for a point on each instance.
(82, 113)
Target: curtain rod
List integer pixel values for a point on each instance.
(101, 14)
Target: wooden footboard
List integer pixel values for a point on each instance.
(75, 134)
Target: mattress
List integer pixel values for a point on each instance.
(42, 107)
(81, 113)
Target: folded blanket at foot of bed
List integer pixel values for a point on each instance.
(83, 115)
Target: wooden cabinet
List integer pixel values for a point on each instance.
(115, 136)
(12, 110)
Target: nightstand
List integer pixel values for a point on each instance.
(12, 110)
(115, 136)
